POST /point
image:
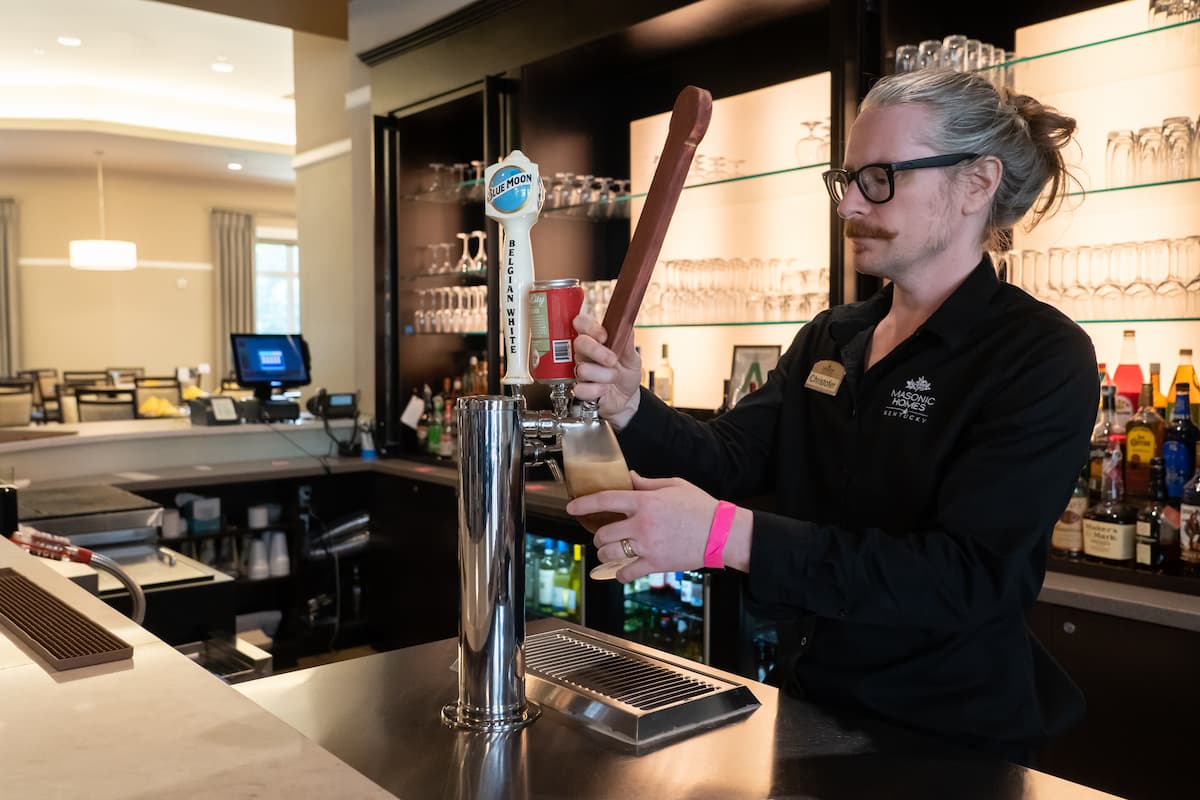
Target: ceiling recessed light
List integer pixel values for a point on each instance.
(222, 66)
(234, 166)
(70, 41)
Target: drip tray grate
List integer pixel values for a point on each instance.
(62, 636)
(635, 697)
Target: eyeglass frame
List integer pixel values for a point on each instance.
(890, 169)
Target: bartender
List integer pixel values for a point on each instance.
(920, 444)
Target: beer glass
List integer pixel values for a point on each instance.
(592, 462)
(1118, 164)
(1177, 146)
(1150, 155)
(907, 58)
(927, 53)
(953, 52)
(971, 55)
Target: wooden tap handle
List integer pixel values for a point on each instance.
(689, 121)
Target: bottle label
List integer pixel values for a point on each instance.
(1145, 531)
(1177, 465)
(1125, 410)
(662, 387)
(1143, 554)
(1068, 530)
(1139, 447)
(1189, 533)
(1110, 540)
(546, 587)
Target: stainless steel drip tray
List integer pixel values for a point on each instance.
(633, 694)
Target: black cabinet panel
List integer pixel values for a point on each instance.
(1137, 740)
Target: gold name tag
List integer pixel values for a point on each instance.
(826, 377)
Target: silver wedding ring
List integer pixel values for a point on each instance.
(627, 546)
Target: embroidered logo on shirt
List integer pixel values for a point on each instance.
(913, 402)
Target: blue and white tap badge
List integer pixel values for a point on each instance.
(509, 189)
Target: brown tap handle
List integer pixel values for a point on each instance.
(689, 121)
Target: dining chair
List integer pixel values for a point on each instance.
(167, 387)
(95, 404)
(16, 402)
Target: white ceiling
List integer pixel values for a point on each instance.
(141, 87)
(75, 149)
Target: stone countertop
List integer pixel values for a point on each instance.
(152, 727)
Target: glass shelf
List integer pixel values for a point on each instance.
(1135, 320)
(618, 207)
(1109, 60)
(440, 279)
(721, 324)
(1156, 184)
(408, 331)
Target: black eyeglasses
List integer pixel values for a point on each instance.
(877, 182)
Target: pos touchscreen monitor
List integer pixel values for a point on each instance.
(265, 362)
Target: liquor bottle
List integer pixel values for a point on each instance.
(434, 441)
(1067, 539)
(533, 553)
(575, 593)
(1185, 373)
(546, 569)
(721, 409)
(1157, 526)
(468, 379)
(664, 379)
(1179, 444)
(1106, 431)
(1160, 399)
(1128, 378)
(562, 580)
(1189, 526)
(1110, 526)
(1143, 441)
(423, 422)
(638, 350)
(448, 442)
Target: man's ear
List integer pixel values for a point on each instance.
(980, 180)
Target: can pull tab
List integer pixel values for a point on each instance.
(514, 195)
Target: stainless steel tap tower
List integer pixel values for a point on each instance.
(497, 438)
(491, 488)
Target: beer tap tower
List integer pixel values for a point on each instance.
(498, 438)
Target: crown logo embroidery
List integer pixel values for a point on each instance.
(918, 385)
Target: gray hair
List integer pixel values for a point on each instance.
(974, 117)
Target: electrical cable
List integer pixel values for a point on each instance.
(319, 459)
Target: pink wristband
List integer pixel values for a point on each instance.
(718, 534)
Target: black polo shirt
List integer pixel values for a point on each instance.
(915, 502)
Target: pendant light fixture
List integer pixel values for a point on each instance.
(102, 254)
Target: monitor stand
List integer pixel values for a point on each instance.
(273, 409)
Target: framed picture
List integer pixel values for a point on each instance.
(751, 363)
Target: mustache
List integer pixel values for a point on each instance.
(861, 230)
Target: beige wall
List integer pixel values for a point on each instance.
(334, 219)
(152, 317)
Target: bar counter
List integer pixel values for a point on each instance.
(381, 715)
(156, 726)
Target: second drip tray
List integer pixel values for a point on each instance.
(633, 696)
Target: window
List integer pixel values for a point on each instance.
(276, 287)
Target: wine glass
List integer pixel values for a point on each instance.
(480, 261)
(465, 262)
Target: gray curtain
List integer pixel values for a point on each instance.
(10, 299)
(233, 281)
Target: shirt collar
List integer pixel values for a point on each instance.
(951, 321)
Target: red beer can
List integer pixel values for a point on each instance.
(553, 306)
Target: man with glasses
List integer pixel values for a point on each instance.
(919, 444)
